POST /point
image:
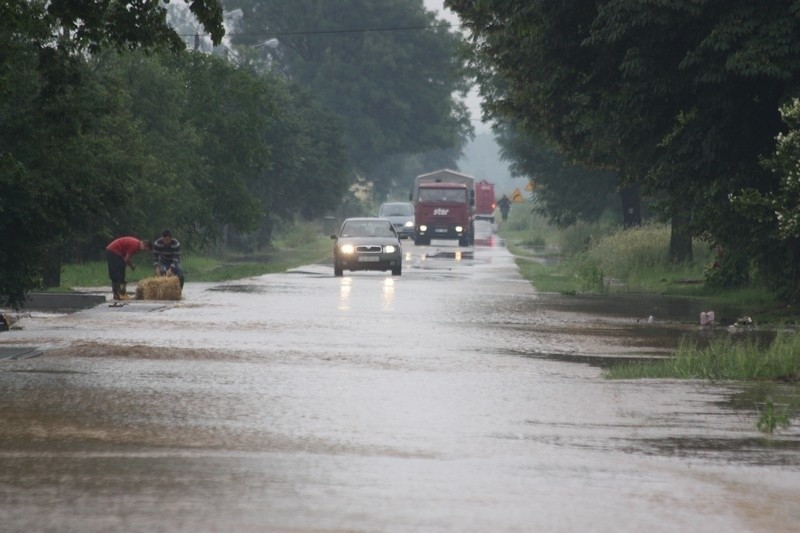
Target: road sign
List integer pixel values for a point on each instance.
(516, 196)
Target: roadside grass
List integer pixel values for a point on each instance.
(602, 258)
(301, 246)
(729, 359)
(722, 359)
(549, 278)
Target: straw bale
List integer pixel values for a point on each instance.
(159, 288)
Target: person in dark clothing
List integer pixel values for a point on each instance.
(119, 254)
(167, 256)
(504, 204)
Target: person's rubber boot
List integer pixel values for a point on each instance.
(123, 292)
(115, 290)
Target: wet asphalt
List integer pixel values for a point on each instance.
(452, 398)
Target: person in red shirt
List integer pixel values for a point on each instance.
(119, 254)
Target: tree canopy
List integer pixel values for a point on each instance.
(389, 69)
(682, 95)
(103, 132)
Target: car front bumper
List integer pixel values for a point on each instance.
(368, 261)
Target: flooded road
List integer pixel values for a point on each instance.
(452, 398)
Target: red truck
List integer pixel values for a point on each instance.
(484, 201)
(443, 207)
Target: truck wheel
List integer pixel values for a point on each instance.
(337, 271)
(397, 271)
(463, 241)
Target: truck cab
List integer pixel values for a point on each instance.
(443, 211)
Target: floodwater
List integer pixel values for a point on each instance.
(452, 398)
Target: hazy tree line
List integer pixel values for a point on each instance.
(388, 68)
(693, 101)
(109, 126)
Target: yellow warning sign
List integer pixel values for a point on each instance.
(516, 196)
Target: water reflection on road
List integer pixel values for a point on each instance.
(454, 397)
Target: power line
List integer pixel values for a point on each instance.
(333, 32)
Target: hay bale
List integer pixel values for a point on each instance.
(159, 288)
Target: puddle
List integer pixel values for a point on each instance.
(247, 289)
(131, 307)
(14, 353)
(446, 254)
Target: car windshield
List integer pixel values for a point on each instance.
(367, 228)
(443, 195)
(396, 210)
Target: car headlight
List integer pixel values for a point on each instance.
(459, 229)
(423, 227)
(409, 224)
(347, 249)
(390, 248)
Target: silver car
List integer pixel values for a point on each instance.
(401, 215)
(367, 244)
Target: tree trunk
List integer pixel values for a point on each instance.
(51, 267)
(264, 234)
(680, 241)
(631, 205)
(793, 295)
(222, 242)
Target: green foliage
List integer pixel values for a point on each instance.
(680, 95)
(20, 232)
(392, 85)
(96, 24)
(589, 275)
(729, 269)
(638, 257)
(204, 268)
(95, 143)
(602, 256)
(775, 213)
(771, 418)
(723, 359)
(546, 277)
(625, 252)
(297, 233)
(565, 192)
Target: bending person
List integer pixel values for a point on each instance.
(119, 254)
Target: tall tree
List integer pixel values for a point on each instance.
(60, 142)
(680, 93)
(387, 68)
(565, 192)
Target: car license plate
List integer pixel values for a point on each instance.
(441, 230)
(368, 258)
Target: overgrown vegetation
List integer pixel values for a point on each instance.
(730, 359)
(298, 244)
(723, 359)
(685, 110)
(601, 256)
(110, 127)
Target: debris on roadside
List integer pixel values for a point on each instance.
(8, 321)
(707, 318)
